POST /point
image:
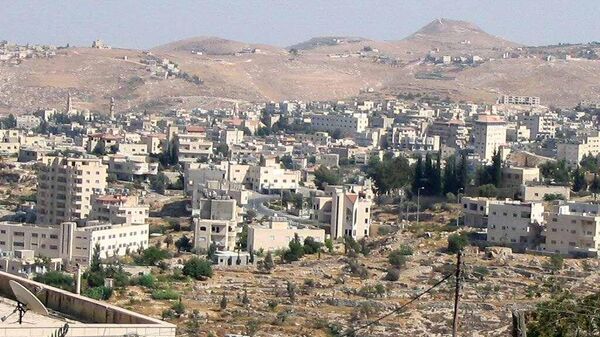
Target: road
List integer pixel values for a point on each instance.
(257, 201)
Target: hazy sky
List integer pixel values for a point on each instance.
(148, 23)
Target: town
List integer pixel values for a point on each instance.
(444, 184)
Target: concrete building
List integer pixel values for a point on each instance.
(27, 122)
(516, 224)
(131, 167)
(345, 122)
(519, 100)
(24, 263)
(65, 188)
(230, 258)
(73, 244)
(214, 207)
(118, 209)
(453, 133)
(350, 211)
(231, 136)
(222, 233)
(476, 211)
(489, 133)
(540, 125)
(514, 177)
(539, 192)
(278, 233)
(573, 152)
(572, 233)
(190, 147)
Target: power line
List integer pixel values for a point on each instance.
(414, 299)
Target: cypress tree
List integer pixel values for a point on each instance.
(418, 176)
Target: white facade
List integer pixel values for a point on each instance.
(489, 133)
(515, 223)
(345, 122)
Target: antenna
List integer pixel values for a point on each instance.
(26, 301)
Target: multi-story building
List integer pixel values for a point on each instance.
(66, 186)
(573, 152)
(419, 144)
(345, 122)
(278, 233)
(572, 233)
(489, 133)
(71, 243)
(24, 263)
(222, 233)
(131, 167)
(540, 125)
(347, 209)
(118, 209)
(514, 177)
(192, 146)
(516, 224)
(452, 133)
(519, 100)
(476, 211)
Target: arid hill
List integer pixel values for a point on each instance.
(321, 68)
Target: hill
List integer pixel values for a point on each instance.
(324, 68)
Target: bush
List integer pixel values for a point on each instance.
(151, 256)
(556, 262)
(197, 268)
(165, 294)
(456, 243)
(393, 274)
(397, 259)
(311, 246)
(147, 281)
(98, 293)
(56, 279)
(95, 279)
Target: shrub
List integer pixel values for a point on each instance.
(311, 246)
(329, 245)
(56, 279)
(98, 293)
(197, 268)
(357, 270)
(397, 259)
(165, 294)
(556, 262)
(456, 243)
(393, 274)
(147, 281)
(151, 256)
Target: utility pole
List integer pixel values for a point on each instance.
(419, 203)
(457, 294)
(460, 209)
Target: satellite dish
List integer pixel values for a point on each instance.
(26, 301)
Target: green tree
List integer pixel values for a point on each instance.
(311, 246)
(579, 183)
(456, 243)
(295, 250)
(197, 268)
(223, 303)
(152, 255)
(329, 245)
(397, 259)
(268, 263)
(222, 149)
(184, 244)
(595, 185)
(10, 122)
(159, 182)
(95, 263)
(418, 176)
(323, 176)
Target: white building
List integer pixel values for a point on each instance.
(572, 233)
(489, 133)
(515, 223)
(345, 122)
(573, 152)
(519, 100)
(278, 233)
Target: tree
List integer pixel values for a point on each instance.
(565, 315)
(595, 185)
(397, 259)
(222, 149)
(337, 134)
(184, 244)
(456, 243)
(295, 251)
(323, 176)
(197, 268)
(418, 175)
(496, 169)
(268, 263)
(287, 162)
(245, 299)
(223, 303)
(56, 279)
(152, 255)
(488, 191)
(291, 290)
(159, 182)
(329, 245)
(10, 122)
(95, 263)
(311, 246)
(212, 249)
(579, 183)
(390, 174)
(462, 174)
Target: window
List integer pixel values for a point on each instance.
(19, 244)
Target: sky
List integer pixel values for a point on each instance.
(149, 23)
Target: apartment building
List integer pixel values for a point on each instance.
(317, 138)
(65, 188)
(514, 177)
(345, 122)
(536, 192)
(572, 233)
(118, 209)
(476, 211)
(24, 263)
(347, 210)
(9, 142)
(221, 233)
(516, 224)
(132, 149)
(131, 167)
(519, 100)
(489, 133)
(265, 179)
(419, 144)
(540, 125)
(453, 133)
(71, 243)
(214, 207)
(190, 147)
(573, 152)
(230, 136)
(278, 233)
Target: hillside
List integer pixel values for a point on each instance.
(323, 68)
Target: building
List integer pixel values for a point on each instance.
(476, 211)
(540, 125)
(73, 244)
(190, 147)
(344, 122)
(452, 133)
(230, 258)
(27, 122)
(278, 233)
(65, 188)
(572, 233)
(118, 209)
(24, 263)
(131, 167)
(516, 224)
(519, 100)
(348, 209)
(489, 133)
(514, 177)
(539, 192)
(221, 233)
(573, 152)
